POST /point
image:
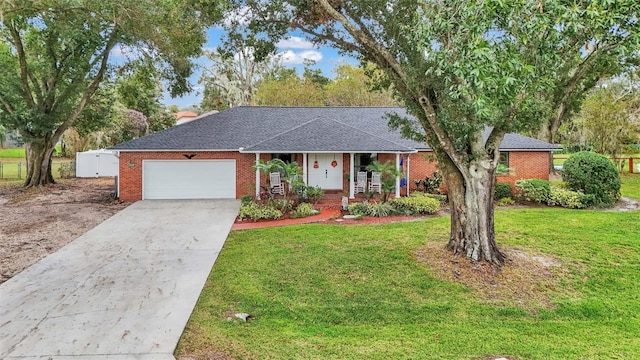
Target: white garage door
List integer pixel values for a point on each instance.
(189, 179)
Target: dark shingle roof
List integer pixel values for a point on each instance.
(297, 129)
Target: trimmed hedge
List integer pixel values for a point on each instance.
(595, 175)
(535, 190)
(255, 212)
(416, 205)
(566, 198)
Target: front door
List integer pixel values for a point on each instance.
(325, 171)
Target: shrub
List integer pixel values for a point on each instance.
(283, 205)
(314, 193)
(416, 205)
(432, 184)
(307, 193)
(566, 198)
(380, 209)
(358, 209)
(303, 210)
(506, 201)
(533, 190)
(503, 190)
(246, 199)
(441, 198)
(255, 212)
(593, 174)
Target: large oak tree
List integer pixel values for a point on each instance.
(469, 71)
(55, 53)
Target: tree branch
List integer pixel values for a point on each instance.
(22, 59)
(104, 56)
(6, 104)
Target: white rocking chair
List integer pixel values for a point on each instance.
(361, 183)
(376, 182)
(277, 186)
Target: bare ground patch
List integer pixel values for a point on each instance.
(524, 281)
(38, 221)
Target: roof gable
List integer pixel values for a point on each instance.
(322, 134)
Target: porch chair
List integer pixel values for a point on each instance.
(376, 182)
(361, 182)
(277, 186)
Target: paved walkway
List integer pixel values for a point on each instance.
(123, 290)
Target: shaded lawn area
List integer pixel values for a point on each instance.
(360, 292)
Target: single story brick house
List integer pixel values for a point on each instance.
(213, 156)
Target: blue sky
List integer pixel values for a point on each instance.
(294, 51)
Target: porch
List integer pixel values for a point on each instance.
(336, 172)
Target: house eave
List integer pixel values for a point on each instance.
(298, 151)
(173, 150)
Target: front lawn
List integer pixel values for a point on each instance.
(13, 153)
(364, 292)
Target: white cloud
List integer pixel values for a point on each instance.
(290, 57)
(295, 42)
(241, 16)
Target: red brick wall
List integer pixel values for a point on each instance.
(130, 178)
(524, 165)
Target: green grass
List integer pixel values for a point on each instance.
(358, 292)
(631, 186)
(10, 169)
(13, 153)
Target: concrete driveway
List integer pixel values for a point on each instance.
(123, 290)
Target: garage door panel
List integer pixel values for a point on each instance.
(193, 179)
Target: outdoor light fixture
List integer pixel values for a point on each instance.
(189, 156)
(132, 164)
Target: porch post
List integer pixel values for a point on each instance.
(352, 194)
(305, 171)
(257, 176)
(398, 177)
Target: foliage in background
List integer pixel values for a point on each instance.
(595, 176)
(609, 121)
(350, 87)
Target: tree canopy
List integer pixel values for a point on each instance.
(468, 71)
(55, 53)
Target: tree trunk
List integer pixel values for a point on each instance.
(39, 155)
(471, 202)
